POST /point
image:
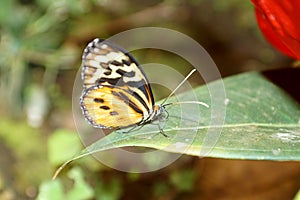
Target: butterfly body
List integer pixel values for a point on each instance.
(116, 92)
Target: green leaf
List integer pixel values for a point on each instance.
(51, 190)
(261, 123)
(297, 197)
(55, 190)
(81, 189)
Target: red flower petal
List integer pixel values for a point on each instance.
(279, 20)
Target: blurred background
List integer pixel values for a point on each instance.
(41, 42)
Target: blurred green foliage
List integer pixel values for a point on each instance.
(41, 42)
(59, 142)
(183, 180)
(54, 189)
(33, 37)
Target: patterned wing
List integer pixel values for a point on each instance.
(111, 107)
(106, 64)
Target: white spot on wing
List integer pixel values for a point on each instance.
(101, 58)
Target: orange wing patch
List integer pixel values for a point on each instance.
(111, 107)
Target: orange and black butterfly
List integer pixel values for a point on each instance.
(116, 92)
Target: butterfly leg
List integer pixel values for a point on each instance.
(130, 130)
(135, 128)
(162, 131)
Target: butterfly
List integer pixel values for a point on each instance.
(116, 91)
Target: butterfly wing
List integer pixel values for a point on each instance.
(104, 63)
(111, 107)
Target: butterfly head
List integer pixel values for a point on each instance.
(158, 114)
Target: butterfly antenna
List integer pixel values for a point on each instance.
(182, 82)
(188, 102)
